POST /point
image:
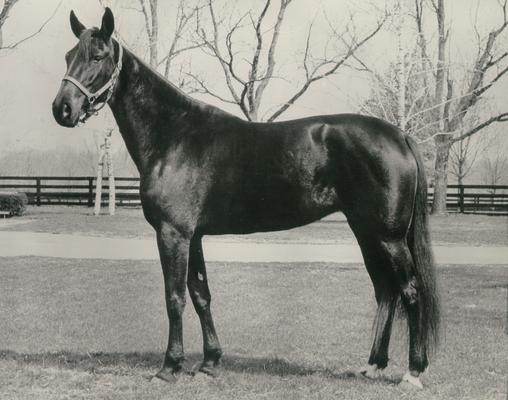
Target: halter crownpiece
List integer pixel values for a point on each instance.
(92, 97)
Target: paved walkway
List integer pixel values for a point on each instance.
(74, 246)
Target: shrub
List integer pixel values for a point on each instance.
(13, 202)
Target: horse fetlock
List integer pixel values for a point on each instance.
(379, 356)
(213, 354)
(418, 363)
(174, 360)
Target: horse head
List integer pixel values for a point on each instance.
(91, 72)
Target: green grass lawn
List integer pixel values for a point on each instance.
(97, 330)
(129, 222)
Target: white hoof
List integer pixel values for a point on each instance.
(370, 371)
(412, 380)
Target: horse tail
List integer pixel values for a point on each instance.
(421, 251)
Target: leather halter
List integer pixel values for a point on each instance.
(93, 109)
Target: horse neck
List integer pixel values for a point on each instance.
(149, 111)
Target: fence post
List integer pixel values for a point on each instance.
(461, 198)
(90, 192)
(38, 191)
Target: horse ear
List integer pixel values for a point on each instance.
(76, 26)
(108, 23)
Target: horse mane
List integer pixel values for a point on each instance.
(174, 93)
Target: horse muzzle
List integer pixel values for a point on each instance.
(68, 106)
(63, 114)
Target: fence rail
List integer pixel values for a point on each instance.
(75, 190)
(80, 190)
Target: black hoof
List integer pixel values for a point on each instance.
(168, 374)
(209, 370)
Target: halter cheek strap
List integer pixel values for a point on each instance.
(93, 109)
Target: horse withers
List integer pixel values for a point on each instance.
(206, 172)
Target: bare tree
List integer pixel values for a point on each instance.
(464, 155)
(403, 94)
(400, 99)
(494, 169)
(439, 100)
(248, 78)
(177, 45)
(152, 29)
(489, 66)
(4, 15)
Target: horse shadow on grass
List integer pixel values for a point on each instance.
(150, 362)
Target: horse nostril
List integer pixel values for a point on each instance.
(66, 111)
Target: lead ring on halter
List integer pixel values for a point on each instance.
(92, 97)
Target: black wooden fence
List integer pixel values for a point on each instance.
(80, 190)
(476, 199)
(75, 190)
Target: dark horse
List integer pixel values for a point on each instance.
(206, 172)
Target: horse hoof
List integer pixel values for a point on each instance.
(210, 371)
(207, 368)
(370, 371)
(167, 375)
(411, 381)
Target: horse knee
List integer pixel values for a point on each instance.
(176, 305)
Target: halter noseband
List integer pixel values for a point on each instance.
(93, 109)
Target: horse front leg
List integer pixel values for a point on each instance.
(173, 250)
(201, 298)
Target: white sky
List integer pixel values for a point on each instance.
(30, 75)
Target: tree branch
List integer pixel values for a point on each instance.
(271, 52)
(314, 76)
(182, 20)
(213, 46)
(205, 90)
(255, 59)
(15, 44)
(499, 118)
(482, 64)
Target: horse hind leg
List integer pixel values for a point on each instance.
(378, 359)
(392, 271)
(387, 296)
(411, 294)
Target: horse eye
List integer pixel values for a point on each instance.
(97, 58)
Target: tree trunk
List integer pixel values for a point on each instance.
(98, 184)
(401, 68)
(443, 145)
(154, 37)
(111, 176)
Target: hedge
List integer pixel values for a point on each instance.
(13, 202)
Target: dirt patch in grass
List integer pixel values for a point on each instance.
(97, 329)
